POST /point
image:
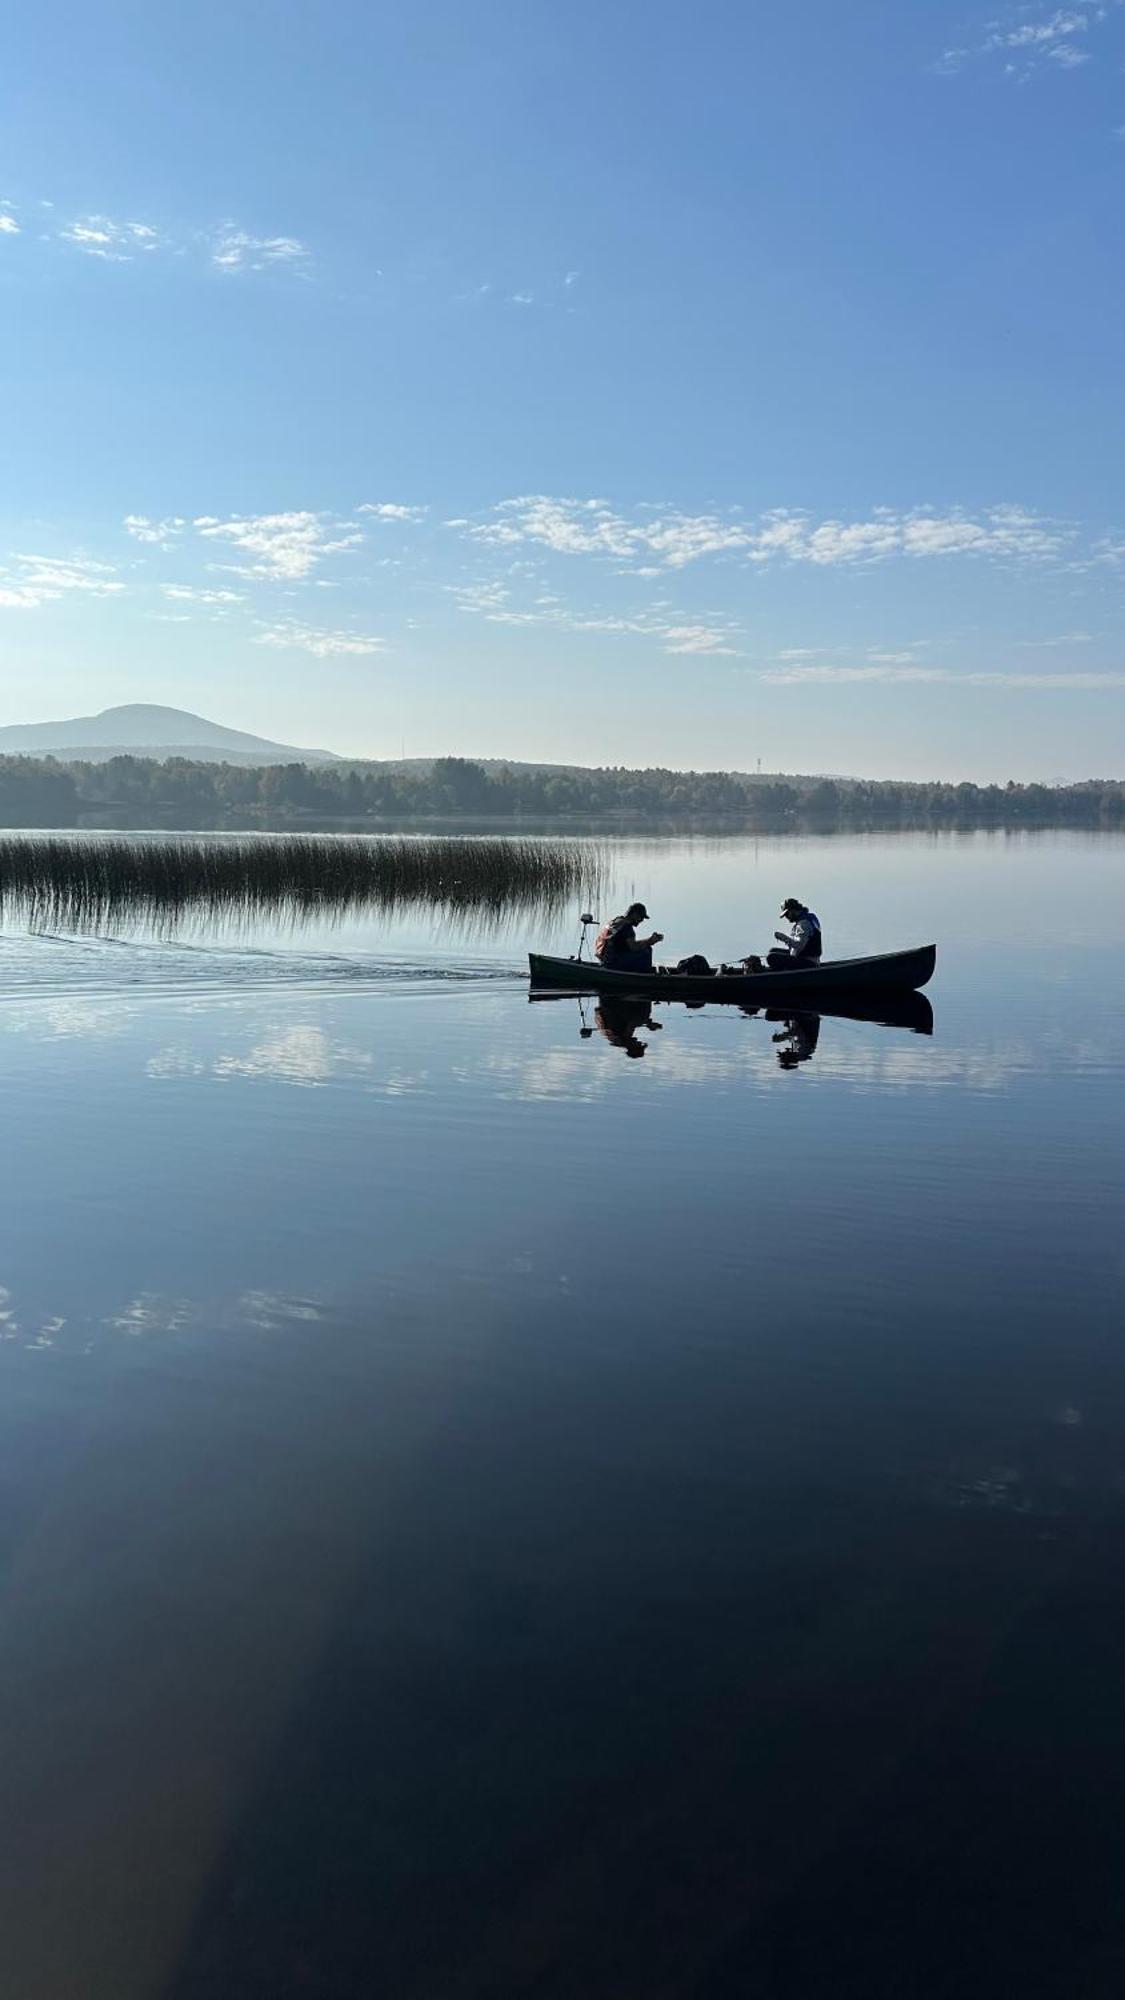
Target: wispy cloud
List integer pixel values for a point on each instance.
(114, 242)
(212, 600)
(895, 676)
(550, 292)
(234, 249)
(493, 600)
(29, 580)
(1023, 45)
(674, 539)
(695, 639)
(290, 636)
(160, 534)
(226, 246)
(270, 548)
(1062, 639)
(281, 547)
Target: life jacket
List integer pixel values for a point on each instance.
(810, 951)
(606, 941)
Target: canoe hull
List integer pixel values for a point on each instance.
(892, 972)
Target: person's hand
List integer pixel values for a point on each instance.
(658, 937)
(782, 937)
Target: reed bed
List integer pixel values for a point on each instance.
(95, 883)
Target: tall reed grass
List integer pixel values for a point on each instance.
(100, 883)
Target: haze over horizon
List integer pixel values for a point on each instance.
(574, 389)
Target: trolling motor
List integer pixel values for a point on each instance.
(584, 924)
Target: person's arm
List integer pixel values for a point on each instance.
(646, 944)
(787, 939)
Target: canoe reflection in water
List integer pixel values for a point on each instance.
(621, 1021)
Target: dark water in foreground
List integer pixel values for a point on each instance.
(485, 1514)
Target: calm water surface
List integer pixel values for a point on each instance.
(489, 1513)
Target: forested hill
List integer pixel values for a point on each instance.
(131, 791)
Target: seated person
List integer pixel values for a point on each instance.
(620, 949)
(801, 945)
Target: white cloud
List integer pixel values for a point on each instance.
(37, 580)
(161, 534)
(1041, 34)
(282, 547)
(115, 242)
(188, 593)
(695, 639)
(8, 225)
(886, 675)
(521, 299)
(391, 510)
(234, 249)
(227, 247)
(1025, 46)
(492, 600)
(592, 527)
(288, 636)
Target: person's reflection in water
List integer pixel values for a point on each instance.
(618, 1021)
(798, 1038)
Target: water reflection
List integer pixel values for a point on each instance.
(358, 1544)
(797, 1040)
(622, 1021)
(147, 1316)
(618, 1020)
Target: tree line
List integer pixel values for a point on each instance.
(42, 792)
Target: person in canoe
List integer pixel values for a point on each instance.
(619, 948)
(801, 945)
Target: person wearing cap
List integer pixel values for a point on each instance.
(619, 948)
(801, 945)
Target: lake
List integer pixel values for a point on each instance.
(501, 1501)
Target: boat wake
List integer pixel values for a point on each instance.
(51, 962)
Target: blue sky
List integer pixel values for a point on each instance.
(598, 383)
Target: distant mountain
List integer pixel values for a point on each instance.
(144, 729)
